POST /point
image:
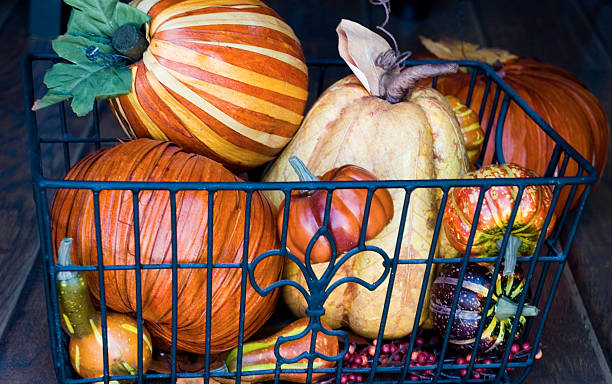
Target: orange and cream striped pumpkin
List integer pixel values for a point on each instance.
(222, 78)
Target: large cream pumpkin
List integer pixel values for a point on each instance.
(418, 138)
(221, 78)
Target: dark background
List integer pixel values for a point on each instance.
(574, 34)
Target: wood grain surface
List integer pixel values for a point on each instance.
(575, 34)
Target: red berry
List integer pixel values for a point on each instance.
(487, 361)
(354, 365)
(414, 378)
(511, 356)
(515, 348)
(479, 369)
(526, 346)
(344, 379)
(422, 358)
(386, 348)
(420, 341)
(538, 355)
(364, 360)
(397, 357)
(463, 372)
(414, 356)
(371, 350)
(476, 375)
(428, 372)
(394, 348)
(351, 349)
(347, 356)
(461, 361)
(431, 358)
(352, 377)
(358, 378)
(468, 358)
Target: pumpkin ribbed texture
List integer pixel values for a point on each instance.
(223, 78)
(72, 215)
(559, 98)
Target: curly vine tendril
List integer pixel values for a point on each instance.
(392, 59)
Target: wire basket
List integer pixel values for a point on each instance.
(58, 130)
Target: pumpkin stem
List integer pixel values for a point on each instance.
(400, 85)
(129, 41)
(302, 171)
(506, 308)
(510, 254)
(75, 306)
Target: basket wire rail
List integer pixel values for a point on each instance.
(542, 274)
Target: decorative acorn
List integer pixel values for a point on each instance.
(82, 323)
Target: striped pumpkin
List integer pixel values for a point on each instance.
(221, 78)
(473, 135)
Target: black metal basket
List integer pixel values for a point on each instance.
(541, 279)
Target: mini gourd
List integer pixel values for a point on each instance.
(82, 323)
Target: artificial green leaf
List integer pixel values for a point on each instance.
(126, 14)
(86, 82)
(73, 48)
(97, 16)
(49, 99)
(80, 24)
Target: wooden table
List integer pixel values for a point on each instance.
(574, 34)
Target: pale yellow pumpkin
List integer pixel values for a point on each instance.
(419, 138)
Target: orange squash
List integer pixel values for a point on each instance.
(226, 79)
(72, 215)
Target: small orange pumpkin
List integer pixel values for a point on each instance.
(346, 214)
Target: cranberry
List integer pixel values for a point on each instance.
(461, 361)
(422, 358)
(371, 350)
(476, 375)
(386, 348)
(463, 372)
(352, 377)
(344, 379)
(526, 346)
(420, 341)
(487, 361)
(515, 348)
(431, 358)
(414, 378)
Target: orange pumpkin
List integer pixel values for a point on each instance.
(346, 213)
(226, 79)
(558, 96)
(72, 215)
